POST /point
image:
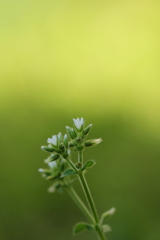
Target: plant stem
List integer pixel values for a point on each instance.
(88, 196)
(90, 201)
(79, 203)
(80, 157)
(72, 165)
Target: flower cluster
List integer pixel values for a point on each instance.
(58, 147)
(78, 134)
(53, 173)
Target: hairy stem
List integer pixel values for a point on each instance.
(72, 165)
(91, 202)
(80, 157)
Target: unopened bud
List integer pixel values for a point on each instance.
(92, 142)
(87, 129)
(47, 149)
(66, 140)
(71, 144)
(46, 171)
(61, 146)
(60, 137)
(72, 133)
(54, 157)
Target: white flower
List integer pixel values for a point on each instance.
(52, 164)
(53, 140)
(79, 122)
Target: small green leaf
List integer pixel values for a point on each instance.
(106, 228)
(68, 172)
(107, 214)
(81, 226)
(88, 164)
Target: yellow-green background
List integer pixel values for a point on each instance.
(94, 59)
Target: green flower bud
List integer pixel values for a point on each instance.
(55, 187)
(53, 176)
(87, 129)
(61, 146)
(46, 171)
(53, 157)
(71, 132)
(92, 142)
(47, 149)
(60, 137)
(66, 140)
(71, 144)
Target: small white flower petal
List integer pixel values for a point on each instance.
(49, 140)
(52, 164)
(54, 140)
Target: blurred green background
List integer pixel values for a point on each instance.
(94, 59)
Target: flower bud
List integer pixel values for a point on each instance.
(66, 140)
(47, 149)
(92, 142)
(71, 132)
(60, 137)
(52, 177)
(71, 144)
(46, 171)
(87, 129)
(53, 157)
(61, 146)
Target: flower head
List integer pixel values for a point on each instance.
(53, 140)
(79, 123)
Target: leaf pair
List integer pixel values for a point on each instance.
(88, 164)
(69, 171)
(82, 226)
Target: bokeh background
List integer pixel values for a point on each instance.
(62, 59)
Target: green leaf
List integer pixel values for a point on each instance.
(81, 226)
(106, 228)
(107, 214)
(88, 164)
(68, 172)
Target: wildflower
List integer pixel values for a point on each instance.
(79, 123)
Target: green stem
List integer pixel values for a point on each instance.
(91, 202)
(72, 165)
(88, 196)
(79, 203)
(80, 157)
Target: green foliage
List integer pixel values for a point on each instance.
(58, 171)
(88, 164)
(82, 226)
(68, 172)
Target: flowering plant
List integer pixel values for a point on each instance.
(63, 172)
